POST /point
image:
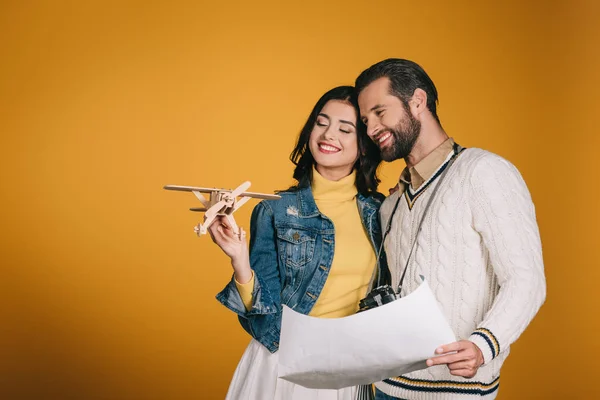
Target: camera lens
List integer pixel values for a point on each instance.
(377, 297)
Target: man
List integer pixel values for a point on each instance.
(478, 246)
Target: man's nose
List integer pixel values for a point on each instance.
(373, 129)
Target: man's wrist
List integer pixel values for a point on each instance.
(487, 344)
(480, 358)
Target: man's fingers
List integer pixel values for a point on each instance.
(466, 373)
(447, 348)
(461, 365)
(463, 359)
(450, 358)
(458, 352)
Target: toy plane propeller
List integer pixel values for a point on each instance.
(221, 202)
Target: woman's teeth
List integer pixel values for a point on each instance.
(328, 148)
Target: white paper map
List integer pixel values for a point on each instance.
(380, 343)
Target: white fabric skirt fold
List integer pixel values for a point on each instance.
(255, 378)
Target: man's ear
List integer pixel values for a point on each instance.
(418, 103)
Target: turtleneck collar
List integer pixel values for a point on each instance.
(324, 189)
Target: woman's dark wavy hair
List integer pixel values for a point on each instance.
(369, 157)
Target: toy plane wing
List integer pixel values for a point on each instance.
(211, 190)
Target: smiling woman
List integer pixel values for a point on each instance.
(333, 141)
(313, 250)
(334, 116)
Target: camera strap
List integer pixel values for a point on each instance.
(457, 150)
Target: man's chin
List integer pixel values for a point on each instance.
(389, 155)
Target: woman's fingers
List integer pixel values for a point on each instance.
(227, 231)
(221, 232)
(213, 230)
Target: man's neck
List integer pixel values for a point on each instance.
(429, 139)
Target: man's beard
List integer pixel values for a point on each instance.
(404, 137)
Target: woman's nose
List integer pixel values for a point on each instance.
(329, 133)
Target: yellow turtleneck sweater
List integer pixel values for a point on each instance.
(354, 258)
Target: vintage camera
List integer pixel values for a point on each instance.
(377, 297)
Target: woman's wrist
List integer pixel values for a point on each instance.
(242, 271)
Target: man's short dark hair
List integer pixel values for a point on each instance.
(405, 77)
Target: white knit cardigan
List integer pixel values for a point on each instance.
(480, 251)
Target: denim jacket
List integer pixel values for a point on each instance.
(291, 251)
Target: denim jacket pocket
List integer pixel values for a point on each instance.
(296, 246)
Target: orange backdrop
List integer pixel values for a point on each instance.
(108, 294)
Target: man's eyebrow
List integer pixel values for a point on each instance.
(347, 122)
(376, 107)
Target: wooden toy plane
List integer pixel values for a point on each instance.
(222, 202)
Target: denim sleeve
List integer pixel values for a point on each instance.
(263, 320)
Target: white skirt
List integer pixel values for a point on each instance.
(255, 378)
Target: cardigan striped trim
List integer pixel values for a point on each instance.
(490, 339)
(411, 197)
(467, 387)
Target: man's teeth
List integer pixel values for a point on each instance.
(329, 148)
(384, 137)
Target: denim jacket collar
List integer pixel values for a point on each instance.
(307, 207)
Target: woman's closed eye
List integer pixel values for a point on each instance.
(321, 122)
(345, 127)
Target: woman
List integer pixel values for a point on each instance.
(292, 259)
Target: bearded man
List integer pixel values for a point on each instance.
(463, 220)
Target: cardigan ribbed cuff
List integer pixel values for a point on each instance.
(487, 343)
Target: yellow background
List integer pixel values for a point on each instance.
(106, 293)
